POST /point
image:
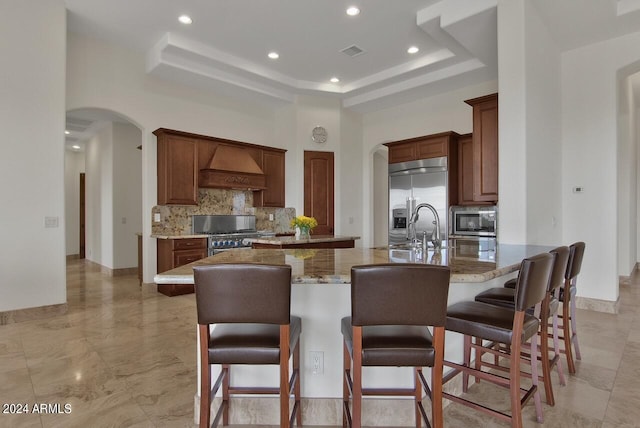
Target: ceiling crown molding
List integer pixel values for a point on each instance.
(467, 37)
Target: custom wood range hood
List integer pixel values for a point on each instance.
(232, 167)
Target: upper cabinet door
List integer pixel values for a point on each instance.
(485, 148)
(177, 170)
(273, 168)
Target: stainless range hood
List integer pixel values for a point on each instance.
(232, 167)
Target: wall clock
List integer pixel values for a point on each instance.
(319, 135)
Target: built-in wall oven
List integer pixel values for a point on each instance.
(474, 221)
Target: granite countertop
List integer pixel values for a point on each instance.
(331, 266)
(290, 239)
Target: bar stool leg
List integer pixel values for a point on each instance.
(296, 388)
(534, 377)
(479, 353)
(346, 365)
(544, 360)
(356, 414)
(556, 351)
(514, 376)
(574, 327)
(284, 376)
(566, 331)
(467, 363)
(417, 395)
(225, 393)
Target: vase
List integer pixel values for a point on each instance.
(304, 232)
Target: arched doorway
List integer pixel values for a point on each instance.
(104, 147)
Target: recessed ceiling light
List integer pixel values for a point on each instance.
(353, 11)
(66, 132)
(334, 80)
(413, 49)
(273, 55)
(76, 147)
(185, 19)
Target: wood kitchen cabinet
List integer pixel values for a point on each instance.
(465, 170)
(183, 156)
(427, 147)
(485, 149)
(173, 253)
(177, 169)
(273, 168)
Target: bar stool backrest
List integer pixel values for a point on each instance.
(533, 280)
(559, 267)
(399, 294)
(243, 293)
(576, 253)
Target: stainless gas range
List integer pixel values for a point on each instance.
(227, 231)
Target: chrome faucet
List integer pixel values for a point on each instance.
(435, 235)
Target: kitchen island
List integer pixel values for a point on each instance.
(321, 296)
(314, 241)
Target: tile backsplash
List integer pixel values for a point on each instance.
(176, 219)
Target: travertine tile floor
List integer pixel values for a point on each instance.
(124, 356)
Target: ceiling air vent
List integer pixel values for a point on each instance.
(352, 51)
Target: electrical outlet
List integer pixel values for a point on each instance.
(317, 362)
(50, 222)
(270, 217)
(156, 217)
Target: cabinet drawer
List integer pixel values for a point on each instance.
(184, 257)
(188, 244)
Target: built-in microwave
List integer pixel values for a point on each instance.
(474, 221)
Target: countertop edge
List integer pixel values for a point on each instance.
(179, 236)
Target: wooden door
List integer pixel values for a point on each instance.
(318, 190)
(82, 217)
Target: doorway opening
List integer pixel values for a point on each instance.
(103, 188)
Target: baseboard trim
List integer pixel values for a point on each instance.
(114, 272)
(597, 305)
(30, 314)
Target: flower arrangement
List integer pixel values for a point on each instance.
(305, 224)
(304, 221)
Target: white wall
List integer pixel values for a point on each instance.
(543, 134)
(32, 111)
(627, 177)
(350, 214)
(99, 196)
(380, 198)
(73, 166)
(127, 194)
(440, 113)
(590, 157)
(512, 162)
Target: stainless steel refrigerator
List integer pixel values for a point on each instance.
(413, 183)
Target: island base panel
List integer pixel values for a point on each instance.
(175, 289)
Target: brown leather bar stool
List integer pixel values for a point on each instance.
(250, 307)
(511, 327)
(568, 299)
(505, 297)
(392, 306)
